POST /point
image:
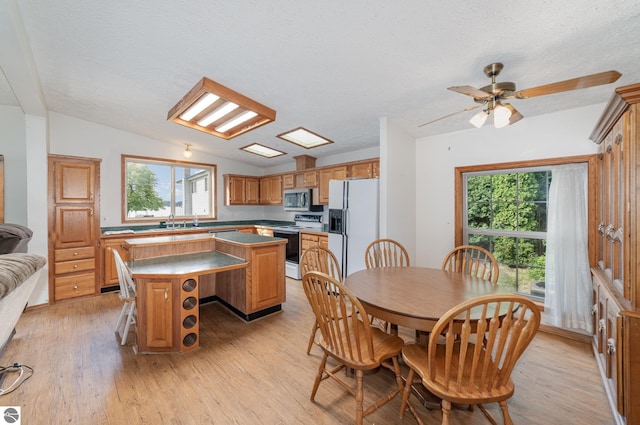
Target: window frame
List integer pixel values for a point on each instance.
(124, 158)
(592, 170)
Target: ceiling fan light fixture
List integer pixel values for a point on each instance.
(479, 119)
(501, 116)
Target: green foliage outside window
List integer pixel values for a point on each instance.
(141, 189)
(507, 214)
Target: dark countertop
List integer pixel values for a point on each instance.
(235, 237)
(185, 264)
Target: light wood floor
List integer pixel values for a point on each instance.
(250, 373)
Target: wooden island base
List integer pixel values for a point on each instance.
(174, 274)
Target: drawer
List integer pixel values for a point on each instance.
(309, 238)
(74, 266)
(75, 286)
(74, 253)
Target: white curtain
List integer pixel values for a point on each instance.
(568, 280)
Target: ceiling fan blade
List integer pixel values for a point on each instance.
(471, 91)
(573, 84)
(471, 108)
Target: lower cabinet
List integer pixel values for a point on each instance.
(307, 240)
(168, 315)
(616, 342)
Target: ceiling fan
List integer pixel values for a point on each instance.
(491, 97)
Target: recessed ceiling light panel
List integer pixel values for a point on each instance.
(262, 150)
(218, 110)
(305, 138)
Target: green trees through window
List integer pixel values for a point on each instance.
(506, 213)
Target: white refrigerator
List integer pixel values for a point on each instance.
(353, 221)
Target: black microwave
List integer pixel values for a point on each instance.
(299, 200)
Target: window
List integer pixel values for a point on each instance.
(155, 188)
(503, 208)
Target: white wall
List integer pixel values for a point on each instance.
(397, 185)
(548, 136)
(13, 147)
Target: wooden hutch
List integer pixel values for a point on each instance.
(616, 276)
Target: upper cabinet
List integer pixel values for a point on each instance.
(326, 174)
(271, 190)
(267, 190)
(241, 190)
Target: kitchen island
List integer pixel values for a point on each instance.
(174, 274)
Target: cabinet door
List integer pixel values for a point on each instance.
(336, 173)
(235, 190)
(289, 181)
(109, 272)
(74, 182)
(159, 314)
(364, 170)
(323, 241)
(252, 190)
(73, 226)
(267, 277)
(275, 197)
(310, 179)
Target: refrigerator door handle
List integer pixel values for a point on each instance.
(345, 246)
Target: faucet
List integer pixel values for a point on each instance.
(172, 220)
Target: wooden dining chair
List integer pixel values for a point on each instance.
(319, 259)
(127, 295)
(461, 371)
(386, 253)
(472, 260)
(349, 340)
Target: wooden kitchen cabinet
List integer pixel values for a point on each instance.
(308, 240)
(109, 272)
(155, 309)
(289, 181)
(365, 170)
(74, 226)
(310, 179)
(616, 277)
(241, 190)
(271, 190)
(335, 173)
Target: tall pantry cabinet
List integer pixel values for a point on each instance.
(616, 276)
(74, 226)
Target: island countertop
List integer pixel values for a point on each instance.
(186, 264)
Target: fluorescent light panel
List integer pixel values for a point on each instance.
(262, 150)
(305, 138)
(215, 109)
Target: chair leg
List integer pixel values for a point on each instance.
(446, 410)
(323, 364)
(312, 337)
(505, 412)
(406, 393)
(359, 396)
(130, 315)
(123, 313)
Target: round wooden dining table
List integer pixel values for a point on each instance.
(414, 297)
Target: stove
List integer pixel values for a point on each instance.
(292, 234)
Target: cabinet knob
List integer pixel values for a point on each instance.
(166, 294)
(75, 254)
(75, 266)
(75, 286)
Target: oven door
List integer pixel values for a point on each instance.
(293, 243)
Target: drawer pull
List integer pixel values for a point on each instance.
(611, 346)
(75, 286)
(75, 254)
(75, 266)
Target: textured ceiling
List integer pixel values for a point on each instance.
(333, 67)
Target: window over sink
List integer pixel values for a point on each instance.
(153, 189)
